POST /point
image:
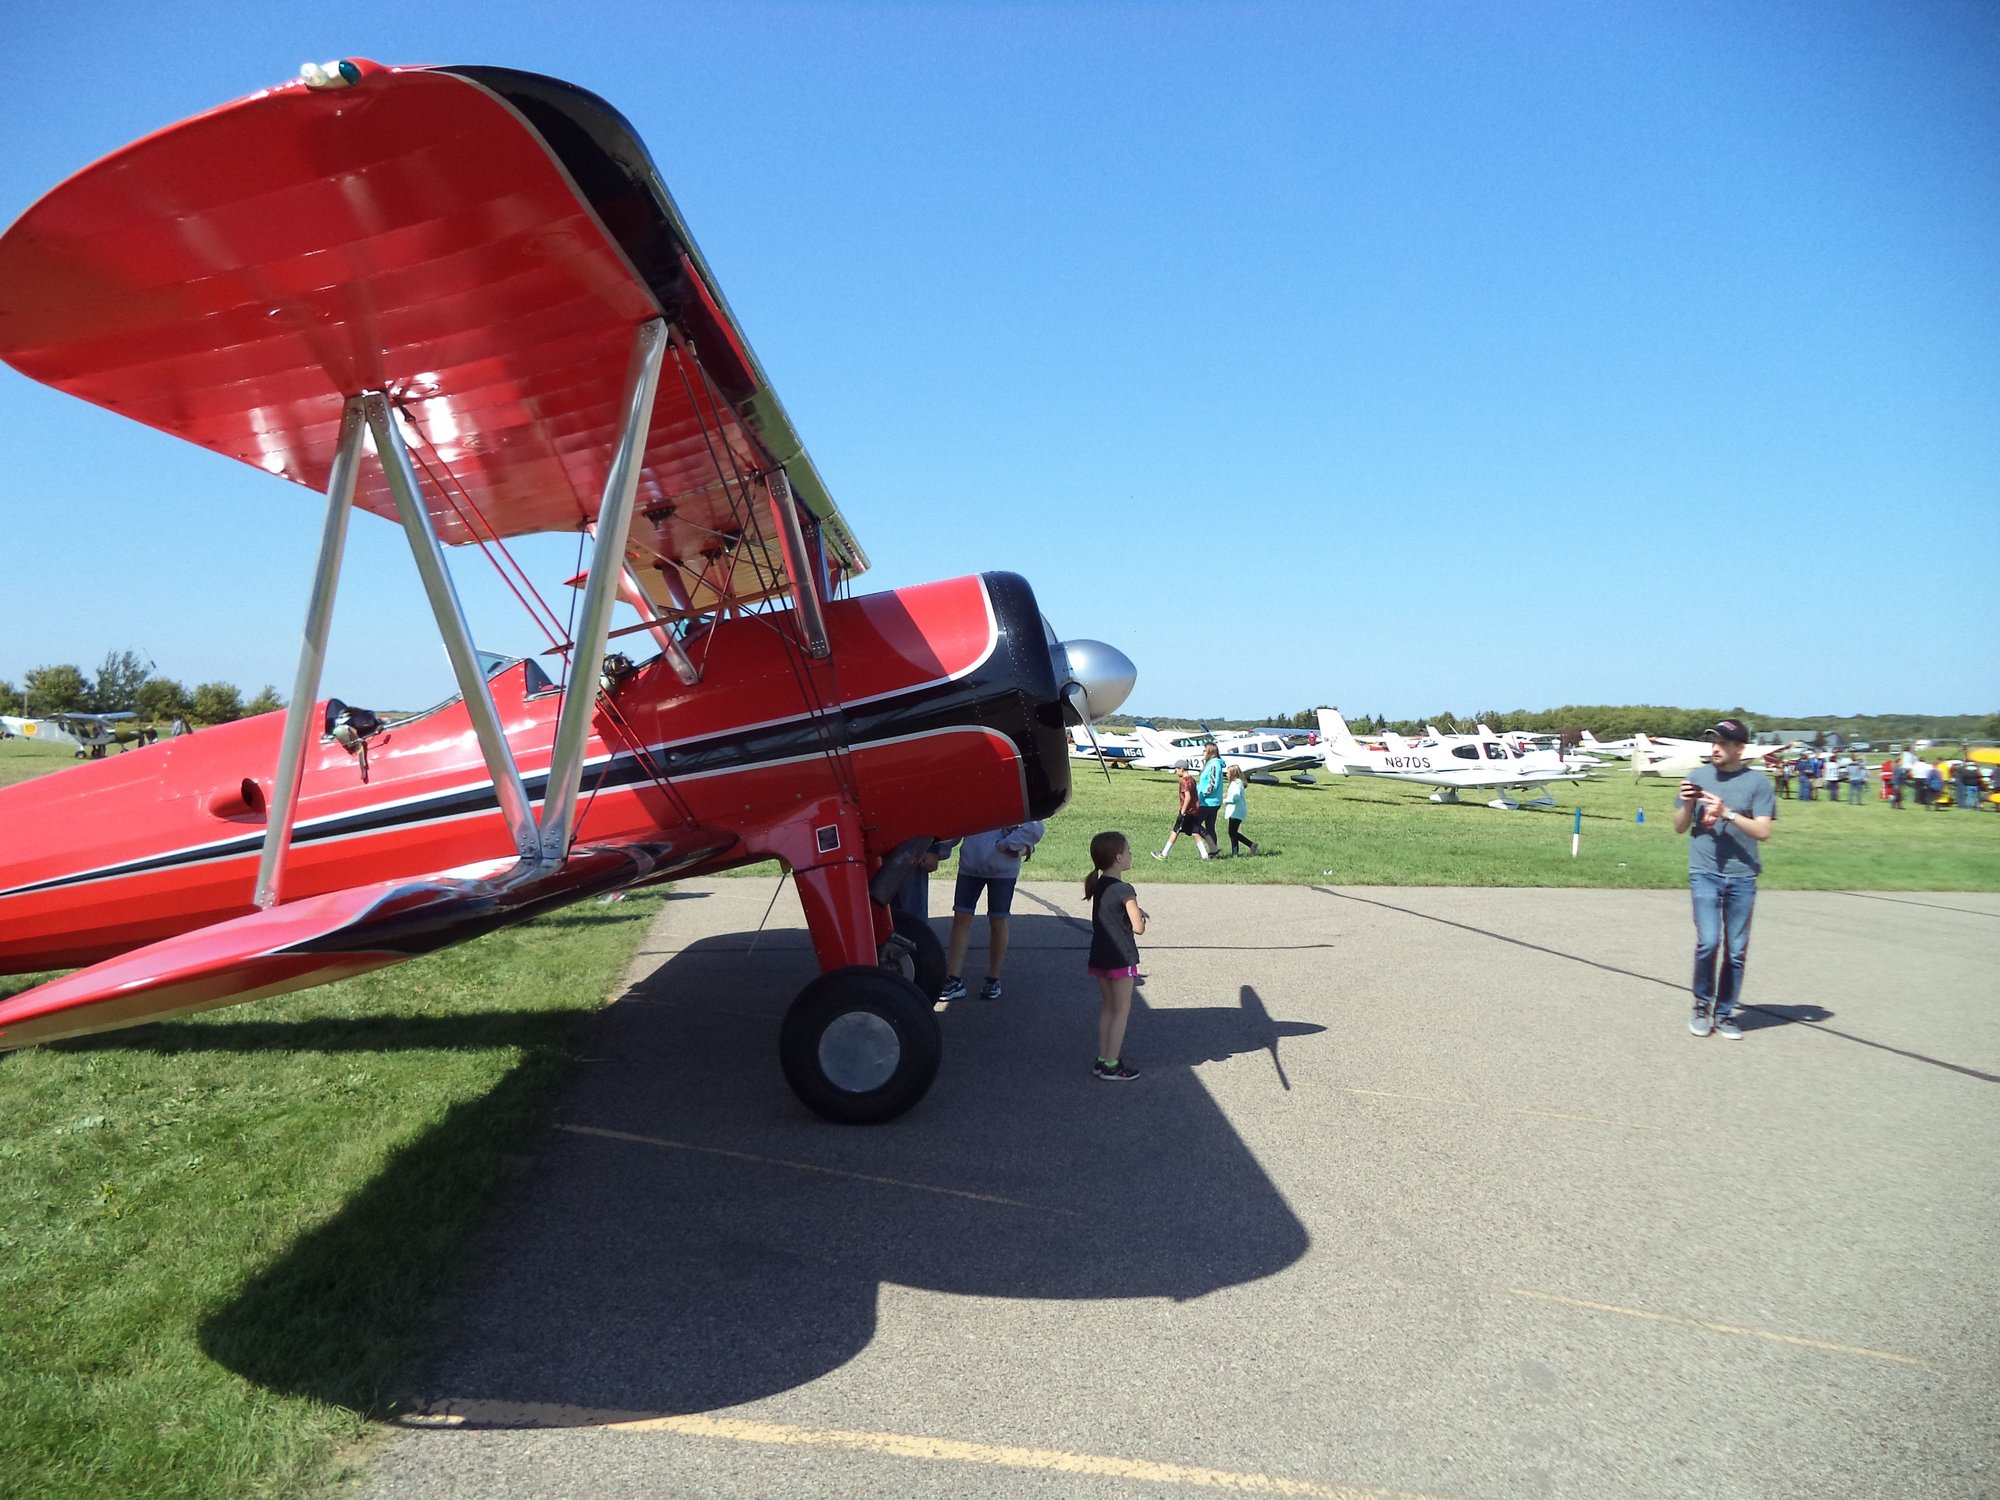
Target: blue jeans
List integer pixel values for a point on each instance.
(1722, 908)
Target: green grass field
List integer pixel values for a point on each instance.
(22, 759)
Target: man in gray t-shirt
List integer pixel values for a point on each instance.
(1727, 809)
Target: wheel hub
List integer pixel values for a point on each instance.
(858, 1052)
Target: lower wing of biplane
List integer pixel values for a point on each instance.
(461, 298)
(319, 939)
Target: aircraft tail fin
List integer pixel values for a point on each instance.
(1160, 753)
(1336, 741)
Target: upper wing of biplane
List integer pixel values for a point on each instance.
(476, 242)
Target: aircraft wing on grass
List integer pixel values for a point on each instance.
(322, 938)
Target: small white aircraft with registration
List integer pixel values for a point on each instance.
(1104, 748)
(1159, 751)
(1449, 762)
(89, 734)
(1262, 755)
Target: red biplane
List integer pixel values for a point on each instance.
(462, 298)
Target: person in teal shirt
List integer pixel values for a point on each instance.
(1208, 793)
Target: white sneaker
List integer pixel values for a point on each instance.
(1158, 853)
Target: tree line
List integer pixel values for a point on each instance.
(126, 685)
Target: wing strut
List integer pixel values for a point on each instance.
(450, 616)
(538, 844)
(798, 563)
(600, 588)
(684, 668)
(312, 655)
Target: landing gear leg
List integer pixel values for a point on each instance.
(861, 1043)
(914, 951)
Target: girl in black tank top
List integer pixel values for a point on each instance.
(1116, 921)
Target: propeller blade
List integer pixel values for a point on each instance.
(1073, 694)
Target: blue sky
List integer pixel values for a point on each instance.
(1406, 357)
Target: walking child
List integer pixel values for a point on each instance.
(1187, 820)
(1116, 922)
(1235, 808)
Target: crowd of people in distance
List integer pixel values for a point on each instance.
(1929, 784)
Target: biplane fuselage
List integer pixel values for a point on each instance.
(939, 715)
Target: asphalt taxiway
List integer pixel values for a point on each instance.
(1423, 1192)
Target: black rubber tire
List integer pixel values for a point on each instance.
(922, 961)
(892, 1023)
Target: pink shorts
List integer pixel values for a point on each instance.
(1129, 971)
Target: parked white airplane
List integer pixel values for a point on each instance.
(90, 734)
(1263, 756)
(1524, 742)
(1675, 758)
(1449, 762)
(1616, 749)
(1108, 748)
(1159, 752)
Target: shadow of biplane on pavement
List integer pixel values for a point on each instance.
(690, 1238)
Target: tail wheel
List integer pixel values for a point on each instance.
(916, 953)
(860, 1045)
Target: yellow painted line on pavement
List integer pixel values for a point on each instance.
(1731, 1328)
(1508, 1109)
(806, 1166)
(496, 1414)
